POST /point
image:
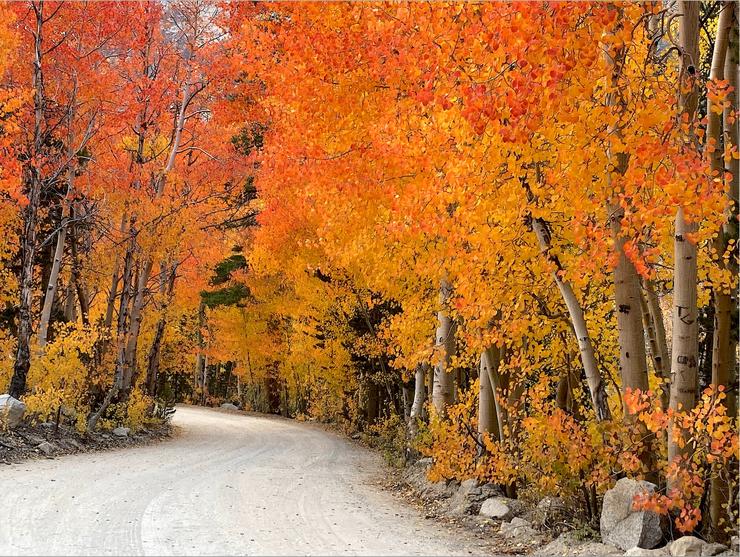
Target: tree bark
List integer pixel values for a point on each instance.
(655, 328)
(487, 414)
(122, 330)
(33, 182)
(444, 381)
(51, 287)
(419, 392)
(631, 336)
(721, 341)
(585, 346)
(155, 350)
(685, 351)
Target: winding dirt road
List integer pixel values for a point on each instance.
(229, 484)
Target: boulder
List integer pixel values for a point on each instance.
(466, 498)
(490, 490)
(415, 475)
(11, 411)
(229, 406)
(501, 508)
(121, 431)
(688, 546)
(438, 490)
(47, 448)
(622, 525)
(518, 527)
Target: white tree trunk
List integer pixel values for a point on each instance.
(444, 381)
(51, 287)
(487, 415)
(585, 346)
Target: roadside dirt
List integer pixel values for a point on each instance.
(48, 441)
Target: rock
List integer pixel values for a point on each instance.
(416, 474)
(47, 448)
(229, 406)
(568, 546)
(518, 527)
(438, 490)
(687, 546)
(356, 436)
(501, 508)
(11, 411)
(121, 432)
(490, 490)
(714, 549)
(735, 544)
(466, 498)
(640, 552)
(622, 525)
(33, 439)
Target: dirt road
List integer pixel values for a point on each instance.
(229, 484)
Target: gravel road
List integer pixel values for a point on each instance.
(229, 484)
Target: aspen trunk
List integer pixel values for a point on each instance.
(632, 358)
(419, 394)
(585, 346)
(685, 351)
(33, 182)
(660, 354)
(131, 370)
(685, 327)
(721, 343)
(487, 415)
(123, 318)
(444, 381)
(155, 350)
(51, 287)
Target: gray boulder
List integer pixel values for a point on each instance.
(501, 508)
(229, 406)
(121, 432)
(438, 490)
(11, 411)
(415, 475)
(517, 528)
(47, 448)
(465, 499)
(622, 525)
(688, 546)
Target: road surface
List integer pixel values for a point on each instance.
(229, 484)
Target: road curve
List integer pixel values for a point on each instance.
(229, 484)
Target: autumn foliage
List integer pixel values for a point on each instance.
(506, 230)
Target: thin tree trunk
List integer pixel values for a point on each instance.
(419, 394)
(585, 346)
(444, 381)
(51, 287)
(123, 318)
(33, 180)
(685, 351)
(487, 414)
(721, 345)
(631, 336)
(156, 348)
(655, 328)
